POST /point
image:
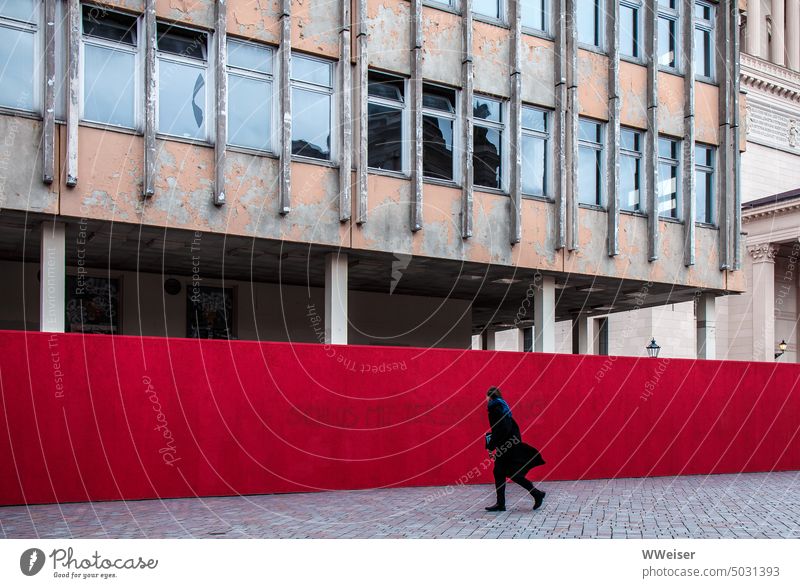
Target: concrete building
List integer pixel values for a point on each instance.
(374, 172)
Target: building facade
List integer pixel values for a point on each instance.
(373, 172)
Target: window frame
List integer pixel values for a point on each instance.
(271, 78)
(457, 139)
(547, 7)
(677, 164)
(673, 15)
(502, 128)
(34, 26)
(502, 10)
(638, 6)
(403, 107)
(138, 107)
(639, 157)
(599, 146)
(708, 26)
(207, 137)
(712, 171)
(600, 34)
(324, 90)
(547, 137)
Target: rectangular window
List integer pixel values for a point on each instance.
(535, 150)
(630, 170)
(668, 33)
(704, 40)
(386, 122)
(92, 305)
(590, 162)
(110, 60)
(312, 107)
(182, 82)
(487, 142)
(19, 40)
(536, 14)
(491, 8)
(210, 313)
(704, 184)
(250, 90)
(630, 28)
(438, 132)
(668, 178)
(590, 22)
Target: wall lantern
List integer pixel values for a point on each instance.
(781, 348)
(653, 348)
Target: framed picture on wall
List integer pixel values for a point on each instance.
(210, 312)
(93, 305)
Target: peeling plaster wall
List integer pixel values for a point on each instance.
(389, 34)
(441, 51)
(21, 186)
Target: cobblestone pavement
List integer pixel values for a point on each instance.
(744, 505)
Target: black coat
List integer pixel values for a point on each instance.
(513, 457)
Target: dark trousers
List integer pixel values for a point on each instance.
(500, 485)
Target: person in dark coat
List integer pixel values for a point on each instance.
(512, 458)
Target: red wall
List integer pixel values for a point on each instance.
(80, 415)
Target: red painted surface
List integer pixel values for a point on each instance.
(85, 417)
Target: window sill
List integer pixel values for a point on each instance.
(592, 49)
(176, 139)
(441, 6)
(633, 60)
(438, 182)
(670, 70)
(489, 20)
(596, 207)
(112, 128)
(711, 226)
(20, 113)
(539, 198)
(251, 151)
(537, 33)
(489, 190)
(388, 173)
(314, 161)
(669, 219)
(705, 80)
(639, 213)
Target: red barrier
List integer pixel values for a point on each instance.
(102, 418)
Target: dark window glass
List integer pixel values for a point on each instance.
(629, 31)
(385, 141)
(181, 42)
(104, 24)
(667, 42)
(437, 147)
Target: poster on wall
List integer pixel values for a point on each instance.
(209, 313)
(92, 305)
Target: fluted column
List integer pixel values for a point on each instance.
(793, 34)
(777, 48)
(763, 297)
(755, 27)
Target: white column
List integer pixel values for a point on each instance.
(520, 339)
(763, 297)
(488, 341)
(777, 48)
(755, 27)
(336, 298)
(706, 327)
(583, 335)
(53, 277)
(544, 316)
(793, 34)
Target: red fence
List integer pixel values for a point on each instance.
(102, 418)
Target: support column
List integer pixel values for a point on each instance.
(763, 299)
(755, 28)
(488, 340)
(613, 135)
(688, 159)
(73, 89)
(777, 48)
(467, 79)
(346, 123)
(221, 74)
(52, 277)
(560, 121)
(285, 53)
(362, 73)
(572, 123)
(793, 34)
(336, 299)
(148, 182)
(515, 120)
(651, 137)
(49, 93)
(416, 112)
(706, 319)
(544, 315)
(583, 335)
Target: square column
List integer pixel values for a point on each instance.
(763, 297)
(544, 315)
(583, 335)
(793, 34)
(706, 327)
(778, 26)
(336, 299)
(52, 277)
(488, 340)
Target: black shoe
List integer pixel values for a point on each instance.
(496, 508)
(538, 498)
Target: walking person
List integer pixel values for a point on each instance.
(512, 458)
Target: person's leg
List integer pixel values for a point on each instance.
(538, 495)
(500, 489)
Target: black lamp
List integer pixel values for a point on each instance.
(653, 348)
(782, 348)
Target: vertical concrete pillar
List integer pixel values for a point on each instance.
(572, 122)
(148, 182)
(521, 339)
(763, 297)
(735, 88)
(651, 137)
(777, 48)
(560, 120)
(73, 89)
(416, 112)
(488, 340)
(221, 120)
(755, 27)
(688, 181)
(346, 111)
(544, 315)
(613, 134)
(362, 73)
(336, 298)
(583, 335)
(285, 68)
(467, 85)
(52, 277)
(706, 327)
(515, 123)
(793, 34)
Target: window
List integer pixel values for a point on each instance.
(536, 14)
(438, 132)
(668, 178)
(491, 8)
(535, 150)
(590, 162)
(182, 87)
(210, 312)
(630, 170)
(590, 22)
(386, 122)
(630, 28)
(110, 60)
(250, 88)
(704, 40)
(312, 105)
(487, 142)
(668, 33)
(18, 53)
(704, 184)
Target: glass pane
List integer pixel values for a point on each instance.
(534, 119)
(16, 57)
(666, 42)
(667, 148)
(589, 131)
(485, 109)
(388, 87)
(629, 182)
(703, 155)
(24, 10)
(589, 175)
(534, 14)
(311, 71)
(437, 147)
(630, 140)
(439, 99)
(487, 157)
(249, 112)
(385, 137)
(534, 164)
(702, 53)
(109, 86)
(181, 42)
(702, 11)
(489, 8)
(588, 22)
(629, 31)
(249, 56)
(311, 124)
(668, 190)
(98, 22)
(181, 99)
